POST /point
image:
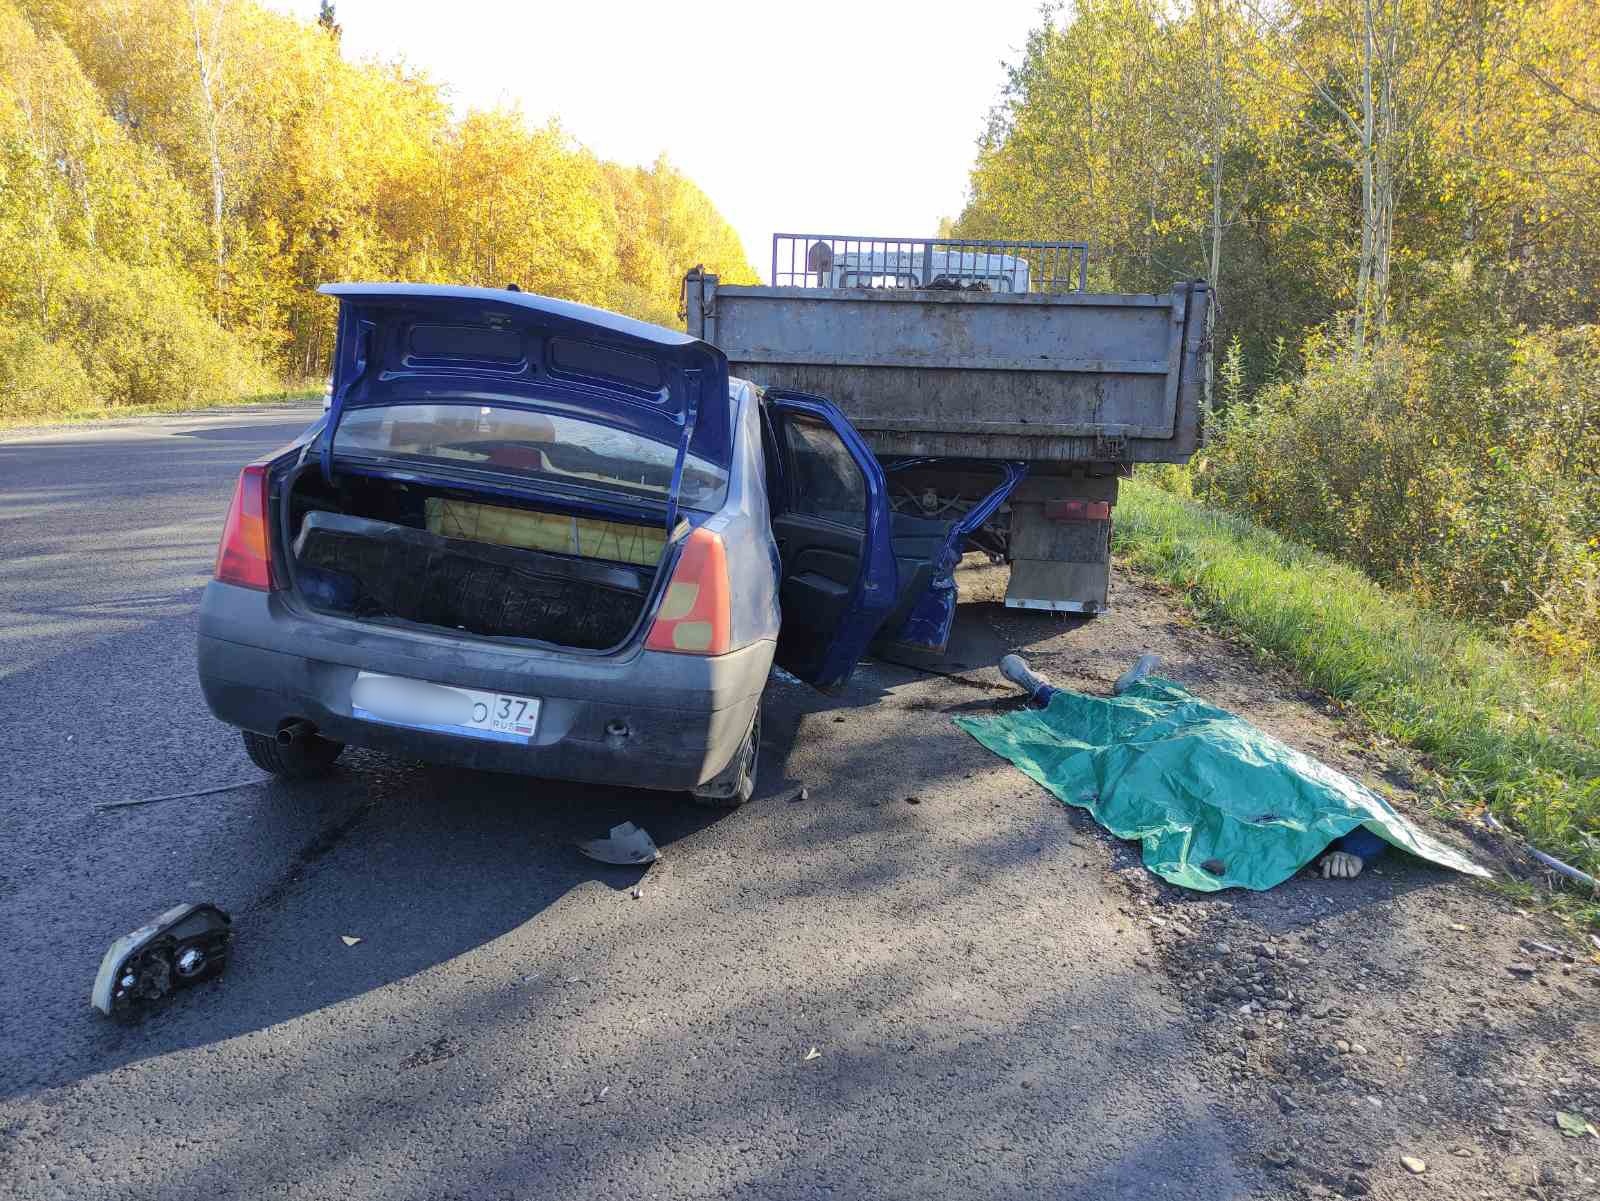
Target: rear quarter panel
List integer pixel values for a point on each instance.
(745, 526)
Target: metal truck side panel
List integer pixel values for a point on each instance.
(1090, 377)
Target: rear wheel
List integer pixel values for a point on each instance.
(304, 758)
(736, 783)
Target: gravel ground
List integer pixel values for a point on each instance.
(1404, 1016)
(927, 978)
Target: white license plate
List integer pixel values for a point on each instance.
(419, 705)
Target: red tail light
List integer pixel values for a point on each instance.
(243, 557)
(1077, 510)
(695, 614)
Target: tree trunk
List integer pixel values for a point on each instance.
(1213, 53)
(1368, 189)
(208, 70)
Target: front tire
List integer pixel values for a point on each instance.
(304, 759)
(736, 783)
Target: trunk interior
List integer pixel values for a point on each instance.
(387, 550)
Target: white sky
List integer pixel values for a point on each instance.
(828, 116)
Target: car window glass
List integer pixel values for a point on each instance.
(827, 482)
(548, 446)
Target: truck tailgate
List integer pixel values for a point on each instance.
(1079, 376)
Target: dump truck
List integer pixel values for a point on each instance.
(987, 379)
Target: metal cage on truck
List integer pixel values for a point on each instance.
(847, 260)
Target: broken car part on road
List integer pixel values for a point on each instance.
(626, 846)
(1216, 802)
(186, 944)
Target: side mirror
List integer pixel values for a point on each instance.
(186, 944)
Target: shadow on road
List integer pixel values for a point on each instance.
(447, 859)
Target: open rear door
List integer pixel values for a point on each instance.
(831, 521)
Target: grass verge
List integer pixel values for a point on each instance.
(1500, 728)
(116, 412)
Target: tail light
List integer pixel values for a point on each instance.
(695, 614)
(1077, 510)
(243, 556)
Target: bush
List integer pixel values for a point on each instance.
(39, 378)
(1462, 469)
(122, 337)
(145, 340)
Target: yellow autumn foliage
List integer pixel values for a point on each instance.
(1418, 394)
(176, 179)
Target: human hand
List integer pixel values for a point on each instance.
(1341, 865)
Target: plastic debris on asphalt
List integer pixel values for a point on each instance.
(626, 846)
(186, 944)
(349, 940)
(813, 1054)
(1199, 787)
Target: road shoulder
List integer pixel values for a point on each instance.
(1354, 1029)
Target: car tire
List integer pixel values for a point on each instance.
(736, 783)
(305, 759)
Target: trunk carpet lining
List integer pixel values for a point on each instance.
(366, 568)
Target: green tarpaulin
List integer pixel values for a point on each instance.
(1196, 785)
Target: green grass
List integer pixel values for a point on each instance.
(116, 412)
(1500, 729)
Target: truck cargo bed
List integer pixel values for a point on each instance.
(1038, 377)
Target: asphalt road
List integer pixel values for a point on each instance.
(513, 1023)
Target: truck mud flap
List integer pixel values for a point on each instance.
(1060, 555)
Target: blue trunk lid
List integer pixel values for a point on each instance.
(434, 344)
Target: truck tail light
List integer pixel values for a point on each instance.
(695, 613)
(243, 556)
(1077, 510)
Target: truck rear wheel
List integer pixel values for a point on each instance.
(736, 783)
(303, 758)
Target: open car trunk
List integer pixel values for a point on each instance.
(389, 550)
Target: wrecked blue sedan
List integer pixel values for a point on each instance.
(536, 537)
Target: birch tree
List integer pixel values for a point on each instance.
(206, 19)
(1376, 66)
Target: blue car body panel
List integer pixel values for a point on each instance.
(927, 627)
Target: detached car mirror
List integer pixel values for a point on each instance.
(186, 944)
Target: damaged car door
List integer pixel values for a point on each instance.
(831, 521)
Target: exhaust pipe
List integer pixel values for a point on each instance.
(295, 732)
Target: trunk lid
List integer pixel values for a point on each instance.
(434, 345)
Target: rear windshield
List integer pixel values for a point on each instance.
(542, 446)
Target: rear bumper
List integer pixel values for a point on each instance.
(263, 663)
